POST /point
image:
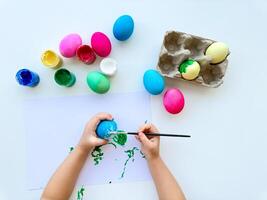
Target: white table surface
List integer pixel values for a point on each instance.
(226, 156)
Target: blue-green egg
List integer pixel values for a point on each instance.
(98, 82)
(105, 127)
(153, 82)
(123, 27)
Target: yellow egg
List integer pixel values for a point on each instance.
(218, 52)
(189, 69)
(51, 59)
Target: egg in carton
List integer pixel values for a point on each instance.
(207, 59)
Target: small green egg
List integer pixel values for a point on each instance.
(98, 82)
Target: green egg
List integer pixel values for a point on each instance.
(98, 82)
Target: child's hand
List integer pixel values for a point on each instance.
(89, 139)
(150, 145)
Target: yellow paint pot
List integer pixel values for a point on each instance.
(51, 59)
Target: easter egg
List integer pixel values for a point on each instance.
(101, 44)
(218, 52)
(123, 27)
(189, 69)
(173, 100)
(104, 128)
(153, 82)
(108, 66)
(98, 82)
(69, 44)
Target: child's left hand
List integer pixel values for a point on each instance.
(89, 139)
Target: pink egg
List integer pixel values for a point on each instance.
(69, 44)
(173, 100)
(101, 44)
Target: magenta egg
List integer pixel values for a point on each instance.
(69, 44)
(101, 44)
(173, 100)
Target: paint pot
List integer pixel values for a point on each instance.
(104, 128)
(108, 66)
(86, 54)
(51, 59)
(64, 77)
(28, 78)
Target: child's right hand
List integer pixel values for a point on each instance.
(149, 145)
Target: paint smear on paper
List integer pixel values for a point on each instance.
(130, 154)
(97, 155)
(120, 138)
(71, 149)
(80, 193)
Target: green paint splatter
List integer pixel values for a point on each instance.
(71, 149)
(130, 154)
(120, 138)
(97, 155)
(111, 143)
(80, 193)
(185, 64)
(142, 154)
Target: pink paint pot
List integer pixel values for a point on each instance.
(101, 44)
(173, 100)
(69, 44)
(86, 54)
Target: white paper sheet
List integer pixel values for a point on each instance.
(53, 125)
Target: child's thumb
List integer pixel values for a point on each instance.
(101, 141)
(144, 140)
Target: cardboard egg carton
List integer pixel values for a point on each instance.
(178, 46)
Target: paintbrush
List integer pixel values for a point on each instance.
(148, 134)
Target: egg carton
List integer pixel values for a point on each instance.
(179, 46)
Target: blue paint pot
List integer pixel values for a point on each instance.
(28, 78)
(105, 127)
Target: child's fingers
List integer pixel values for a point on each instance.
(143, 139)
(155, 139)
(136, 137)
(100, 116)
(148, 128)
(144, 128)
(153, 128)
(101, 142)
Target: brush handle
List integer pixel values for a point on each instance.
(159, 134)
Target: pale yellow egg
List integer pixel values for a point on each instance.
(189, 69)
(218, 51)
